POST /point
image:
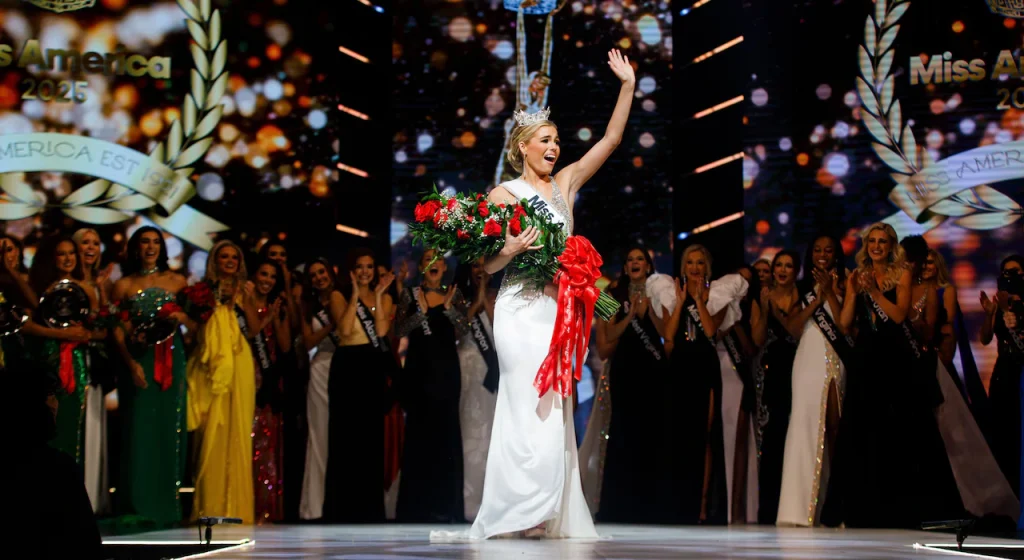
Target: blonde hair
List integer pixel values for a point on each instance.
(78, 236)
(707, 259)
(941, 271)
(522, 134)
(240, 276)
(897, 257)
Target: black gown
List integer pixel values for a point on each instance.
(431, 484)
(635, 433)
(890, 468)
(774, 389)
(694, 376)
(357, 400)
(1004, 392)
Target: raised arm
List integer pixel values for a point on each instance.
(578, 173)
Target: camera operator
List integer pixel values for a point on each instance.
(1004, 319)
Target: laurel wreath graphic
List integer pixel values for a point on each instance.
(100, 201)
(981, 207)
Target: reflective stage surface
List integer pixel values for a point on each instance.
(411, 542)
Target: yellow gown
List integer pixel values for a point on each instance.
(221, 405)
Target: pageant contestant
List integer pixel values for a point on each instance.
(532, 482)
(358, 394)
(152, 396)
(222, 393)
(319, 334)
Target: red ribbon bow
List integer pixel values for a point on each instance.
(579, 268)
(67, 365)
(163, 365)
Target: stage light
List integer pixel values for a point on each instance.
(698, 4)
(353, 170)
(719, 107)
(354, 55)
(718, 163)
(350, 230)
(718, 49)
(353, 112)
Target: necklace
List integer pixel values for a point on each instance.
(148, 271)
(439, 289)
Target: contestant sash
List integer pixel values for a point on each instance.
(841, 343)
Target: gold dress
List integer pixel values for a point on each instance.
(221, 405)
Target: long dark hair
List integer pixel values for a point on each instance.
(278, 282)
(264, 253)
(21, 253)
(620, 290)
(132, 259)
(916, 249)
(806, 284)
(350, 265)
(793, 256)
(1012, 258)
(44, 270)
(310, 295)
(464, 280)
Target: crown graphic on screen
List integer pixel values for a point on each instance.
(526, 119)
(1008, 8)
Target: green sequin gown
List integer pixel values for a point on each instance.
(153, 438)
(70, 405)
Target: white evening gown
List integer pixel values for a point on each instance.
(805, 463)
(311, 503)
(476, 414)
(533, 474)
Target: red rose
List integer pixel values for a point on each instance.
(426, 210)
(482, 210)
(515, 223)
(124, 316)
(167, 309)
(461, 234)
(479, 196)
(492, 229)
(452, 203)
(439, 219)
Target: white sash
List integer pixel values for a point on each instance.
(521, 189)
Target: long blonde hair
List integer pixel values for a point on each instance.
(707, 259)
(897, 257)
(77, 238)
(941, 271)
(522, 134)
(240, 276)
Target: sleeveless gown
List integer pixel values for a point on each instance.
(153, 435)
(633, 458)
(533, 473)
(476, 415)
(317, 415)
(774, 387)
(891, 468)
(805, 468)
(695, 376)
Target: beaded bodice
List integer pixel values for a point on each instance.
(558, 210)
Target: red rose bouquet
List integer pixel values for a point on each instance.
(470, 227)
(198, 301)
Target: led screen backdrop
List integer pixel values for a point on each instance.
(203, 117)
(908, 112)
(455, 69)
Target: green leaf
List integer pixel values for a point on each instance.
(87, 193)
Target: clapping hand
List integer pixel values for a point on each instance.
(355, 283)
(384, 283)
(449, 297)
(823, 280)
(987, 304)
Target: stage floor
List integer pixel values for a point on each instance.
(381, 542)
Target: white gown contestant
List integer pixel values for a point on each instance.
(532, 474)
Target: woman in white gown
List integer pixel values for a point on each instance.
(532, 481)
(818, 381)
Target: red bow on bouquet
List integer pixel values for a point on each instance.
(579, 267)
(66, 370)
